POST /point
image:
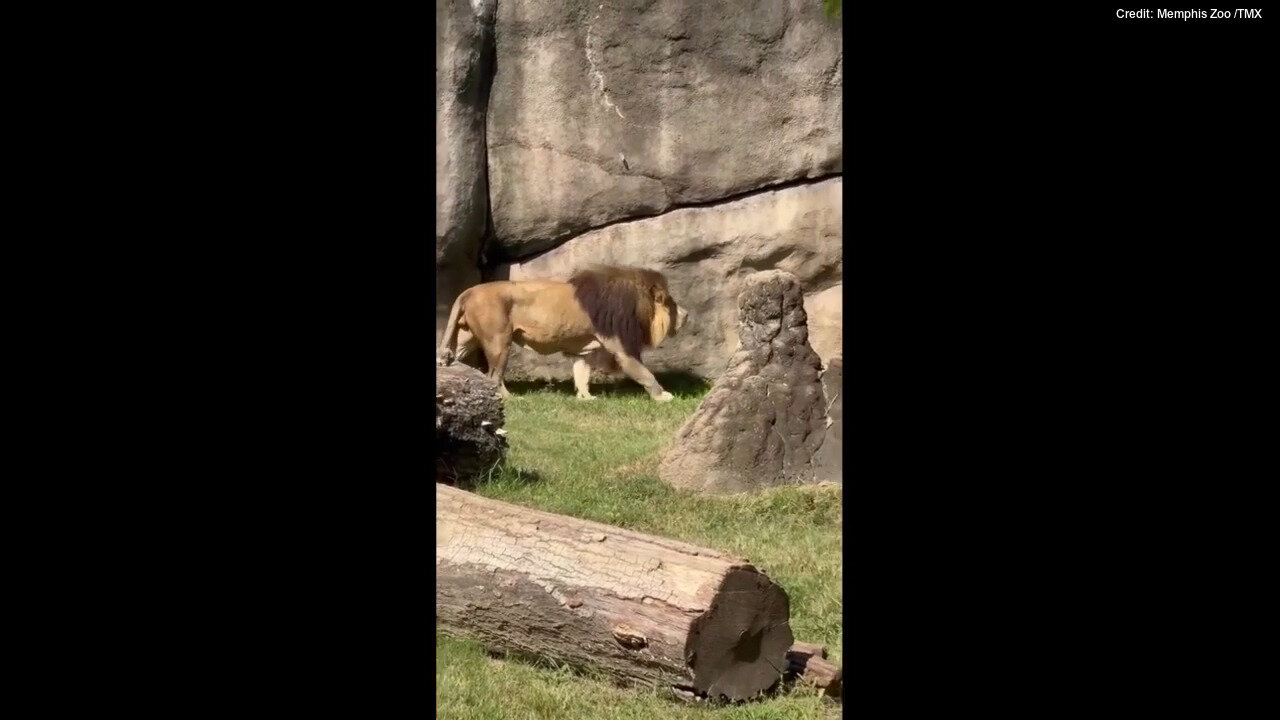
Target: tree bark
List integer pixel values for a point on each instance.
(643, 609)
(470, 438)
(808, 663)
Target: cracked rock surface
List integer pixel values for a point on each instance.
(707, 253)
(602, 111)
(766, 417)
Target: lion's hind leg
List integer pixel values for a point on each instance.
(496, 351)
(467, 346)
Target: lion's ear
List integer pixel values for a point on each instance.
(659, 296)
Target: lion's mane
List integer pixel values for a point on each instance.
(630, 304)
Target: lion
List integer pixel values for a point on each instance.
(603, 317)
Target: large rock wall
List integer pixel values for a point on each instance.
(602, 111)
(701, 138)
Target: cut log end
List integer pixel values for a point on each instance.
(738, 648)
(582, 594)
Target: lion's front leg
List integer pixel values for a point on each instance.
(581, 378)
(636, 370)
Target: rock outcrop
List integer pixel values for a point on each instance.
(706, 253)
(464, 70)
(604, 111)
(702, 139)
(764, 420)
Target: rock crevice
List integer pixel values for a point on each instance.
(465, 68)
(557, 242)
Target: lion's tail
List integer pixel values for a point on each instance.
(449, 341)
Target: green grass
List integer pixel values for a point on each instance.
(598, 460)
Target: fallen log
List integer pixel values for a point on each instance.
(470, 438)
(807, 662)
(643, 609)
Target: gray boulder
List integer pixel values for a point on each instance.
(706, 254)
(464, 70)
(765, 418)
(603, 111)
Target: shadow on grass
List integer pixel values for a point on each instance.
(500, 473)
(516, 476)
(788, 684)
(680, 384)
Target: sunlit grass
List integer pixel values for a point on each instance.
(598, 460)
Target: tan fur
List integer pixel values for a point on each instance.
(547, 317)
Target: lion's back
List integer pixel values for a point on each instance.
(546, 311)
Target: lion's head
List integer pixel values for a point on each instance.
(632, 304)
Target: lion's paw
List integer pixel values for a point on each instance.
(586, 397)
(664, 397)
